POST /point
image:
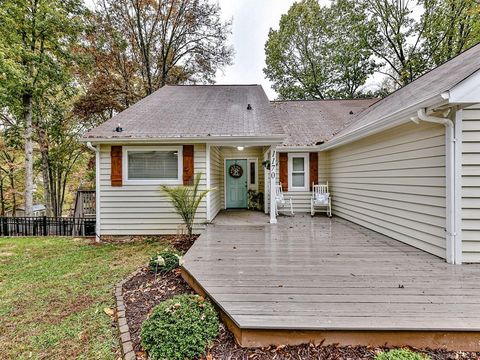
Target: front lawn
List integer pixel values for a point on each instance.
(53, 292)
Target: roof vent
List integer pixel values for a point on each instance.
(249, 107)
(118, 129)
(351, 112)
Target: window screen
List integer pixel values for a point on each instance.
(153, 165)
(298, 172)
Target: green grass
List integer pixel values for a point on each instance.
(53, 292)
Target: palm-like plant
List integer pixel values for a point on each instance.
(186, 199)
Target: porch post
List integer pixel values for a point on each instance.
(266, 184)
(273, 175)
(207, 171)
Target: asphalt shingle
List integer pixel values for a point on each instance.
(307, 123)
(429, 85)
(195, 111)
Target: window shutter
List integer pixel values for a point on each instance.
(116, 166)
(284, 171)
(188, 164)
(313, 169)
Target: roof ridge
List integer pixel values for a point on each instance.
(194, 85)
(323, 100)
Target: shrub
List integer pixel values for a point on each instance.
(180, 328)
(186, 199)
(164, 261)
(401, 354)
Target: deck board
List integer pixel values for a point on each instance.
(330, 274)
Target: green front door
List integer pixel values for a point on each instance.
(236, 184)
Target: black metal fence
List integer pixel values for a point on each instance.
(46, 226)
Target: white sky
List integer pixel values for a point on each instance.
(252, 19)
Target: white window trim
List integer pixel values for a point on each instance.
(306, 162)
(250, 185)
(126, 180)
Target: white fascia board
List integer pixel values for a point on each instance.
(214, 140)
(466, 91)
(290, 149)
(397, 118)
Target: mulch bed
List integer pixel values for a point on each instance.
(144, 291)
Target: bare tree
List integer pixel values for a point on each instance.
(169, 41)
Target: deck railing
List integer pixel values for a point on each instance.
(46, 226)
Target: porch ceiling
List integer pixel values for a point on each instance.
(330, 274)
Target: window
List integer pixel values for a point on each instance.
(153, 165)
(298, 172)
(252, 174)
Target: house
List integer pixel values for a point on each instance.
(406, 166)
(37, 210)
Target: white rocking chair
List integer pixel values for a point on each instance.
(321, 199)
(281, 201)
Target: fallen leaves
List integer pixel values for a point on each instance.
(110, 312)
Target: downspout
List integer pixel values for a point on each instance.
(451, 205)
(97, 189)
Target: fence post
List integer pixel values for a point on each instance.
(45, 233)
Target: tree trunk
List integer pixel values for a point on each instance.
(46, 181)
(27, 108)
(2, 197)
(14, 195)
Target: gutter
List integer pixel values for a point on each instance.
(96, 150)
(375, 126)
(453, 246)
(247, 140)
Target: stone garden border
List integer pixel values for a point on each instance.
(125, 339)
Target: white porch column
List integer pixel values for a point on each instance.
(273, 175)
(208, 165)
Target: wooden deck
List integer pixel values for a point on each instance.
(312, 279)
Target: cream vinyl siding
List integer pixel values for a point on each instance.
(394, 183)
(471, 184)
(247, 153)
(216, 181)
(323, 167)
(142, 209)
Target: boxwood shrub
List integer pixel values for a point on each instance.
(164, 261)
(401, 354)
(180, 328)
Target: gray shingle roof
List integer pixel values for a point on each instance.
(427, 86)
(195, 111)
(307, 123)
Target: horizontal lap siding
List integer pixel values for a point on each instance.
(394, 183)
(216, 181)
(471, 184)
(142, 209)
(323, 167)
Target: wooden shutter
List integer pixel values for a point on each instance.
(188, 164)
(284, 171)
(116, 166)
(313, 169)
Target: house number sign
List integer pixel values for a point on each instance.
(235, 171)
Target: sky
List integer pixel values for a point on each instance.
(252, 19)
